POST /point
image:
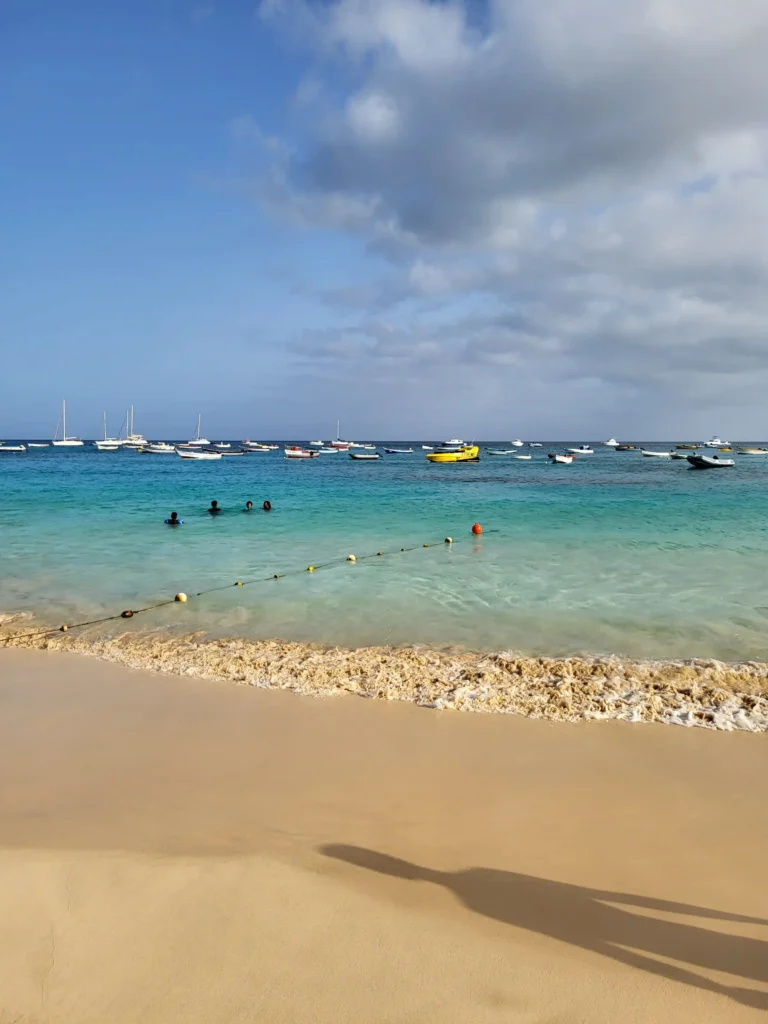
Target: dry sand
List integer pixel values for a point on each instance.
(178, 850)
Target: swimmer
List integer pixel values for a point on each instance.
(214, 509)
(248, 506)
(267, 506)
(174, 520)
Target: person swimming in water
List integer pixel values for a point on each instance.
(214, 509)
(248, 506)
(267, 506)
(174, 520)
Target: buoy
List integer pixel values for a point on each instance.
(63, 629)
(351, 558)
(127, 614)
(477, 528)
(239, 583)
(310, 568)
(276, 576)
(402, 549)
(180, 597)
(379, 552)
(425, 545)
(449, 540)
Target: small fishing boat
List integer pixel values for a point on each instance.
(687, 447)
(329, 451)
(367, 456)
(399, 451)
(535, 444)
(559, 459)
(221, 445)
(159, 448)
(709, 462)
(427, 447)
(294, 452)
(500, 451)
(583, 449)
(752, 451)
(523, 458)
(612, 443)
(654, 455)
(39, 444)
(64, 441)
(12, 448)
(233, 453)
(625, 448)
(256, 446)
(682, 455)
(467, 453)
(318, 444)
(191, 453)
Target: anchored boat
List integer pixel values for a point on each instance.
(710, 462)
(466, 453)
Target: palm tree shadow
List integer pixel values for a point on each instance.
(590, 919)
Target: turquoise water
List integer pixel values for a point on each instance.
(614, 554)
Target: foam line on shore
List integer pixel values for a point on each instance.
(704, 693)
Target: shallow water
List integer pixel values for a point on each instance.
(618, 554)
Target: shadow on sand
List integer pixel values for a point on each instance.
(589, 918)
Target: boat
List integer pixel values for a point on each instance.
(725, 448)
(399, 451)
(654, 455)
(233, 453)
(523, 458)
(159, 448)
(426, 447)
(583, 449)
(221, 444)
(355, 444)
(682, 455)
(715, 442)
(39, 444)
(454, 444)
(367, 456)
(132, 439)
(709, 462)
(517, 443)
(106, 444)
(12, 448)
(294, 452)
(256, 446)
(559, 459)
(687, 447)
(625, 448)
(500, 451)
(535, 444)
(752, 451)
(68, 442)
(189, 453)
(318, 444)
(612, 443)
(197, 441)
(467, 453)
(329, 451)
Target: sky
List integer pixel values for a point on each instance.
(493, 219)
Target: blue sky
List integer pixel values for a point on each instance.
(403, 214)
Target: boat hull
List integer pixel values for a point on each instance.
(470, 453)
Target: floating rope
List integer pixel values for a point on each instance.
(129, 613)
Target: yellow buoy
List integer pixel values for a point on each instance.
(180, 597)
(351, 558)
(310, 568)
(425, 545)
(63, 629)
(239, 583)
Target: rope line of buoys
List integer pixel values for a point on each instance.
(181, 597)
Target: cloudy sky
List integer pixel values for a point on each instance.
(494, 218)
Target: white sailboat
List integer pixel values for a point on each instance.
(107, 444)
(197, 441)
(64, 441)
(132, 439)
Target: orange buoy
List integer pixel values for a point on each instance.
(477, 528)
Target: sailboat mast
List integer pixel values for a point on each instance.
(338, 435)
(105, 424)
(64, 419)
(197, 438)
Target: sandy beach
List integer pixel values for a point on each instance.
(175, 849)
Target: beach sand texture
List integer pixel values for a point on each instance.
(173, 849)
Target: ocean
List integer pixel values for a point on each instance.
(614, 555)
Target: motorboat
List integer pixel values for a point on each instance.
(611, 443)
(517, 443)
(687, 447)
(159, 448)
(294, 452)
(682, 455)
(654, 455)
(12, 448)
(625, 448)
(190, 453)
(256, 446)
(709, 462)
(523, 458)
(559, 459)
(231, 454)
(583, 449)
(364, 456)
(318, 444)
(426, 447)
(535, 444)
(64, 441)
(467, 453)
(752, 451)
(399, 451)
(329, 451)
(356, 444)
(715, 442)
(39, 444)
(221, 445)
(454, 442)
(106, 444)
(500, 451)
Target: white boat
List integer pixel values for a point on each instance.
(426, 447)
(189, 453)
(454, 442)
(682, 455)
(561, 460)
(160, 448)
(517, 443)
(132, 439)
(399, 451)
(366, 457)
(221, 444)
(583, 449)
(709, 462)
(68, 442)
(39, 444)
(197, 441)
(715, 442)
(753, 451)
(535, 444)
(318, 444)
(329, 451)
(523, 458)
(106, 444)
(655, 455)
(294, 452)
(611, 443)
(12, 448)
(257, 446)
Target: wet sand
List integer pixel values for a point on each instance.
(173, 849)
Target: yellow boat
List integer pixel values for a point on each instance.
(467, 453)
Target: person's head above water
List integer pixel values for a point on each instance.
(214, 508)
(267, 506)
(248, 506)
(174, 520)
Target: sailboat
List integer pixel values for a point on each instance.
(132, 439)
(108, 444)
(197, 441)
(338, 443)
(64, 441)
